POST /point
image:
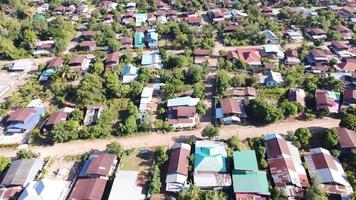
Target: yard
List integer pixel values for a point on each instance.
(138, 160)
(62, 169)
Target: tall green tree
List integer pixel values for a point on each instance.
(210, 132)
(90, 90)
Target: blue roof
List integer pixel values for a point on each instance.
(182, 101)
(30, 124)
(130, 70)
(152, 36)
(46, 74)
(210, 156)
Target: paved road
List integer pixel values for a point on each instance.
(155, 139)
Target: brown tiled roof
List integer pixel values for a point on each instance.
(89, 33)
(101, 164)
(21, 115)
(201, 52)
(90, 43)
(249, 55)
(126, 40)
(317, 31)
(76, 60)
(291, 53)
(339, 45)
(10, 193)
(90, 189)
(56, 117)
(55, 62)
(349, 64)
(276, 147)
(230, 28)
(317, 53)
(322, 161)
(347, 137)
(185, 111)
(341, 28)
(230, 105)
(178, 161)
(349, 94)
(113, 57)
(280, 167)
(193, 20)
(243, 91)
(322, 98)
(232, 55)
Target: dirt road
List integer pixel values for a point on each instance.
(155, 139)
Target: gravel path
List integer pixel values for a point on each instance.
(155, 139)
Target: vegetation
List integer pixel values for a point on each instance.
(210, 132)
(348, 118)
(26, 154)
(315, 191)
(194, 193)
(263, 112)
(257, 144)
(157, 168)
(115, 148)
(4, 163)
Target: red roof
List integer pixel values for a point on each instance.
(339, 45)
(56, 62)
(349, 64)
(178, 161)
(349, 94)
(276, 147)
(90, 43)
(317, 31)
(185, 111)
(56, 118)
(76, 60)
(322, 161)
(230, 106)
(193, 20)
(322, 98)
(347, 137)
(21, 115)
(90, 189)
(113, 57)
(101, 164)
(341, 28)
(249, 56)
(280, 167)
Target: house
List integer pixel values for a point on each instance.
(139, 38)
(129, 74)
(318, 57)
(216, 15)
(271, 79)
(291, 58)
(108, 19)
(230, 28)
(248, 181)
(230, 110)
(297, 95)
(88, 188)
(328, 170)
(342, 49)
(56, 62)
(273, 52)
(193, 21)
(270, 37)
(87, 45)
(46, 74)
(151, 59)
(89, 35)
(98, 165)
(182, 116)
(127, 18)
(345, 32)
(10, 193)
(327, 99)
(152, 39)
(201, 55)
(316, 34)
(45, 189)
(126, 42)
(294, 36)
(251, 56)
(210, 167)
(349, 96)
(182, 101)
(285, 165)
(130, 7)
(111, 60)
(56, 118)
(124, 186)
(243, 93)
(177, 173)
(140, 19)
(21, 65)
(347, 65)
(93, 114)
(23, 120)
(43, 47)
(22, 172)
(79, 63)
(347, 140)
(146, 99)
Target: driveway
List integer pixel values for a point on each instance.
(168, 139)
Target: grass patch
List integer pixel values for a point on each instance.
(276, 94)
(134, 160)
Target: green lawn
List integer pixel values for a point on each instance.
(135, 160)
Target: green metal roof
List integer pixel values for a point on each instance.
(139, 39)
(245, 160)
(250, 182)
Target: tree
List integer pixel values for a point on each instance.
(332, 138)
(222, 82)
(113, 44)
(303, 136)
(210, 132)
(115, 148)
(26, 154)
(289, 108)
(64, 131)
(315, 191)
(29, 39)
(238, 81)
(263, 112)
(322, 112)
(348, 121)
(193, 193)
(194, 74)
(4, 163)
(90, 90)
(97, 67)
(235, 143)
(201, 108)
(199, 90)
(214, 195)
(131, 124)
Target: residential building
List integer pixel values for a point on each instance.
(294, 36)
(318, 57)
(87, 45)
(345, 32)
(146, 99)
(249, 55)
(56, 62)
(273, 52)
(177, 174)
(79, 63)
(129, 74)
(23, 120)
(139, 38)
(126, 42)
(88, 188)
(10, 193)
(182, 116)
(46, 74)
(43, 47)
(347, 140)
(111, 60)
(349, 96)
(93, 114)
(291, 58)
(328, 170)
(201, 55)
(271, 79)
(99, 165)
(152, 39)
(22, 172)
(182, 101)
(210, 167)
(285, 166)
(152, 60)
(21, 65)
(89, 35)
(140, 19)
(316, 34)
(243, 93)
(194, 21)
(297, 95)
(230, 110)
(45, 189)
(347, 65)
(270, 36)
(124, 186)
(248, 181)
(56, 118)
(342, 49)
(327, 99)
